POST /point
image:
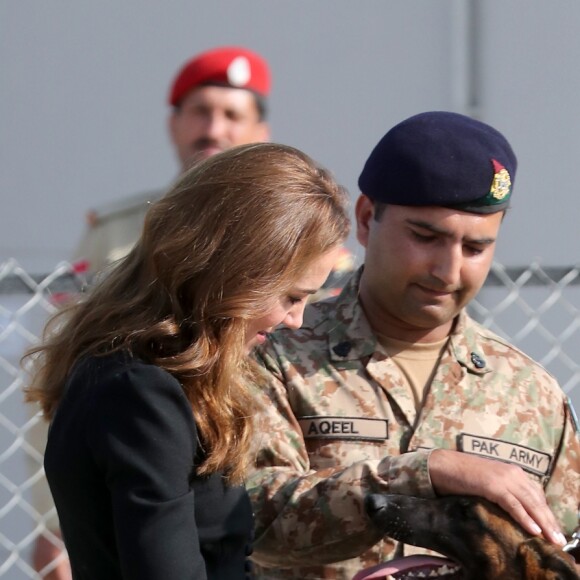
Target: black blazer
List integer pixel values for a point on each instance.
(120, 465)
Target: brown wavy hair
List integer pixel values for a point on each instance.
(230, 237)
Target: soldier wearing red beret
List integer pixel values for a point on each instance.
(218, 100)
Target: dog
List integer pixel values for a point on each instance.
(479, 540)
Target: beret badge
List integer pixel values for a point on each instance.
(443, 159)
(239, 72)
(502, 183)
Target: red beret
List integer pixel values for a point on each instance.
(231, 66)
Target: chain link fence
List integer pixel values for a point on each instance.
(536, 307)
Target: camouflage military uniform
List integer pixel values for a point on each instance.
(344, 423)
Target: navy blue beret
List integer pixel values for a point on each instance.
(441, 159)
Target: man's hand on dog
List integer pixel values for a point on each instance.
(455, 473)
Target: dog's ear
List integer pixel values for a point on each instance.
(541, 560)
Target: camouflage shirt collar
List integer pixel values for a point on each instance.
(351, 336)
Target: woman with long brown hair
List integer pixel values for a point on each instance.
(146, 379)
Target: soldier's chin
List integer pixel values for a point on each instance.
(412, 568)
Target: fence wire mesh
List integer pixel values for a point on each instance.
(537, 308)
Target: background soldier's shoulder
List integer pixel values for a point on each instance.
(123, 208)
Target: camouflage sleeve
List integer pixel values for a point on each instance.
(308, 517)
(563, 487)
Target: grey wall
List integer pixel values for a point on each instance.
(82, 98)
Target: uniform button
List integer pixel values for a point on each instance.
(477, 361)
(342, 348)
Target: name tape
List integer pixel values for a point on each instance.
(529, 459)
(344, 428)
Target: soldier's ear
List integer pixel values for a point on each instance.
(364, 212)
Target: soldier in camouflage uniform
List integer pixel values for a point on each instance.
(392, 387)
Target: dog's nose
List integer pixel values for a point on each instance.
(375, 502)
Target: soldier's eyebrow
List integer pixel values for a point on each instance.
(445, 232)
